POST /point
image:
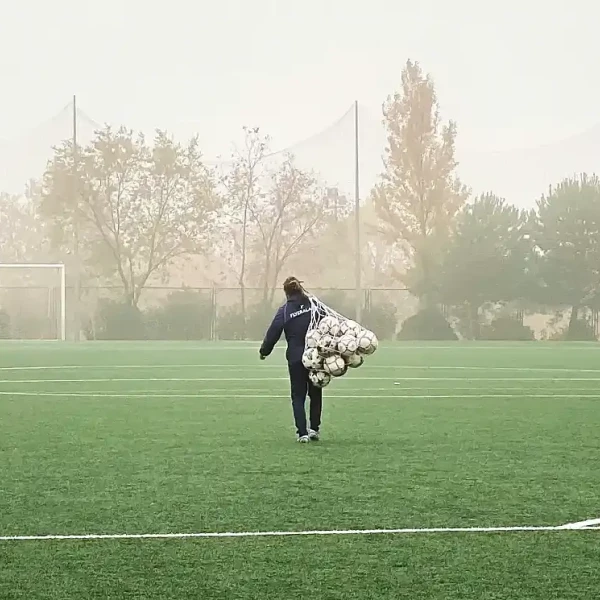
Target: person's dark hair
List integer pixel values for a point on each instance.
(293, 287)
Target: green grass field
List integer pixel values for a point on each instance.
(189, 438)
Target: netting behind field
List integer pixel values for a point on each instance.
(24, 158)
(30, 303)
(520, 175)
(329, 153)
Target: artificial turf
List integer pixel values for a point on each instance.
(186, 438)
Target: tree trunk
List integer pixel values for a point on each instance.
(132, 300)
(474, 324)
(572, 331)
(242, 279)
(266, 278)
(426, 295)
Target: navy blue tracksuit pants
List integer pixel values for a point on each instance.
(301, 386)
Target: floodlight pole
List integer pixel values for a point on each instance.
(358, 298)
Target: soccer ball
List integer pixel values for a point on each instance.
(329, 325)
(311, 359)
(347, 345)
(334, 329)
(335, 366)
(319, 379)
(355, 360)
(351, 327)
(312, 338)
(367, 342)
(326, 345)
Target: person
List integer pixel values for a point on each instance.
(294, 318)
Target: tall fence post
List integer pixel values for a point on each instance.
(213, 315)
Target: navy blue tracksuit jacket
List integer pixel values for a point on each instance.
(293, 318)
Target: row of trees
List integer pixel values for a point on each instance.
(545, 259)
(126, 210)
(472, 254)
(140, 207)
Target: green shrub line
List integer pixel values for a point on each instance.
(190, 315)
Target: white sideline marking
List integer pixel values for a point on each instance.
(227, 395)
(245, 379)
(236, 390)
(255, 534)
(135, 379)
(518, 345)
(149, 367)
(279, 366)
(589, 524)
(153, 345)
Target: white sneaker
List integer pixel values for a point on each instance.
(304, 439)
(313, 435)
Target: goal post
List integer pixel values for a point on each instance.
(33, 301)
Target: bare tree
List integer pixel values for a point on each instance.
(292, 213)
(243, 189)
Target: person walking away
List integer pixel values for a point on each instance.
(293, 319)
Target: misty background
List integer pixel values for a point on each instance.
(517, 80)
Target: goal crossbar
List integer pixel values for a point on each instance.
(63, 287)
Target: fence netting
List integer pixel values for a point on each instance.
(31, 305)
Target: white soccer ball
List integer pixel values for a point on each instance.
(351, 327)
(334, 329)
(319, 379)
(326, 345)
(347, 345)
(312, 338)
(329, 325)
(335, 365)
(367, 342)
(355, 361)
(311, 359)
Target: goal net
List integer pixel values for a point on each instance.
(32, 301)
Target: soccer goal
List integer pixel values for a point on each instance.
(33, 299)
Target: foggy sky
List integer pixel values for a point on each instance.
(519, 74)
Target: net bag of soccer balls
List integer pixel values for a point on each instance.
(334, 344)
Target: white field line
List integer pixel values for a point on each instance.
(588, 524)
(129, 347)
(245, 346)
(149, 367)
(399, 347)
(397, 380)
(428, 388)
(150, 379)
(225, 391)
(258, 534)
(266, 395)
(279, 366)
